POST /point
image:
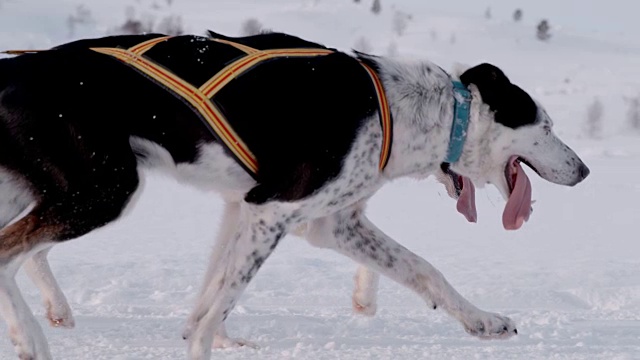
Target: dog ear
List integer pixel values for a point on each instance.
(512, 106)
(490, 81)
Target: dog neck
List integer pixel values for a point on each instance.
(421, 97)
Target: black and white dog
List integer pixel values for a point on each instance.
(76, 126)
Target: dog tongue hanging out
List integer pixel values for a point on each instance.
(503, 127)
(460, 188)
(467, 201)
(518, 207)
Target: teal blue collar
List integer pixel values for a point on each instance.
(461, 109)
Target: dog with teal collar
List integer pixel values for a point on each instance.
(323, 106)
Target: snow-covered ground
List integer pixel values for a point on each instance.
(570, 278)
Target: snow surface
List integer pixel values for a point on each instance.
(570, 278)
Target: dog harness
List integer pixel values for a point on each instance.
(461, 109)
(200, 96)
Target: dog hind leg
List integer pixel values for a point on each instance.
(25, 333)
(66, 212)
(18, 242)
(47, 223)
(58, 310)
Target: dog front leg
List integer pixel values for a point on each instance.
(228, 223)
(257, 233)
(364, 298)
(365, 291)
(352, 234)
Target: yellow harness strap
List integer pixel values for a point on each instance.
(200, 98)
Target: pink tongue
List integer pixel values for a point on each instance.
(518, 207)
(467, 201)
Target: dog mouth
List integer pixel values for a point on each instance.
(518, 207)
(518, 193)
(451, 180)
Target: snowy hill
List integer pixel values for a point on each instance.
(569, 278)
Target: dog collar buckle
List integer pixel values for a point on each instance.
(461, 110)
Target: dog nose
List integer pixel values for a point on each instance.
(583, 171)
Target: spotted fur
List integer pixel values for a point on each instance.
(84, 182)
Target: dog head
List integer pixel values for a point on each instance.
(507, 128)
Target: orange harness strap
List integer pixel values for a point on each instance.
(200, 98)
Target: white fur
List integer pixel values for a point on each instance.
(421, 103)
(364, 299)
(421, 99)
(58, 310)
(228, 224)
(25, 333)
(213, 170)
(352, 234)
(490, 145)
(261, 227)
(15, 197)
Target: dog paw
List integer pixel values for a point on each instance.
(223, 342)
(60, 315)
(26, 356)
(364, 299)
(26, 348)
(363, 305)
(490, 326)
(23, 348)
(188, 330)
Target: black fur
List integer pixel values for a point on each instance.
(285, 110)
(66, 116)
(297, 164)
(513, 107)
(270, 40)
